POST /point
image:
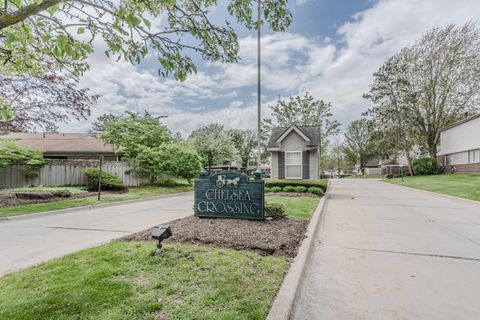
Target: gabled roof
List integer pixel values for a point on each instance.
(309, 133)
(61, 142)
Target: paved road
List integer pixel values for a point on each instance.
(387, 252)
(27, 242)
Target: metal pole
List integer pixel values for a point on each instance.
(259, 92)
(100, 177)
(319, 153)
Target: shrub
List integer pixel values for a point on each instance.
(304, 183)
(12, 152)
(175, 159)
(166, 182)
(316, 191)
(389, 176)
(108, 180)
(275, 210)
(275, 189)
(267, 189)
(289, 189)
(425, 166)
(300, 189)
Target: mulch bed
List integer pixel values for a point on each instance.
(16, 201)
(280, 237)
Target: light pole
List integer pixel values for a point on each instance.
(259, 92)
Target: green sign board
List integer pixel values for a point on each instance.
(229, 194)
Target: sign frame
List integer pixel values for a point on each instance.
(229, 190)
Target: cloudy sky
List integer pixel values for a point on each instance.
(331, 50)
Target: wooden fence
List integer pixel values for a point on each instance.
(61, 173)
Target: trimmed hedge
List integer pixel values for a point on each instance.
(275, 189)
(108, 180)
(300, 189)
(317, 191)
(275, 210)
(289, 189)
(322, 184)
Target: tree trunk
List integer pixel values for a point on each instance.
(432, 147)
(209, 166)
(410, 162)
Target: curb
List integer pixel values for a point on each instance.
(433, 193)
(284, 301)
(92, 206)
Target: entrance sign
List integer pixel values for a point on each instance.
(229, 194)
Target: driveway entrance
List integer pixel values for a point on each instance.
(388, 252)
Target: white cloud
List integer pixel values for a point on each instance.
(338, 70)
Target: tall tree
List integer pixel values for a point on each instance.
(433, 83)
(245, 142)
(100, 124)
(130, 29)
(133, 132)
(336, 157)
(40, 102)
(213, 144)
(392, 113)
(359, 143)
(302, 111)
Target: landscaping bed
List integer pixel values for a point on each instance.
(208, 269)
(279, 237)
(292, 194)
(19, 201)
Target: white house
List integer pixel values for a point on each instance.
(460, 145)
(294, 152)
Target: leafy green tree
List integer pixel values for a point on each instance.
(6, 113)
(336, 158)
(177, 159)
(213, 145)
(303, 111)
(359, 144)
(427, 86)
(12, 152)
(100, 124)
(245, 141)
(132, 133)
(66, 30)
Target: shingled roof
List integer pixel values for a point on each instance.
(61, 142)
(312, 132)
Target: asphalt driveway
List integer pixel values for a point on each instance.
(388, 252)
(28, 242)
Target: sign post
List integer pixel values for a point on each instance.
(230, 194)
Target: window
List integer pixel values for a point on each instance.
(293, 165)
(473, 156)
(448, 160)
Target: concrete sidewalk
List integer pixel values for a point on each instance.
(28, 242)
(386, 252)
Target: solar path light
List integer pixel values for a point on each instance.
(160, 233)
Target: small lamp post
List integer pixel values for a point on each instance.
(160, 233)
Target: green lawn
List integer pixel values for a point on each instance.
(459, 185)
(134, 193)
(121, 281)
(296, 207)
